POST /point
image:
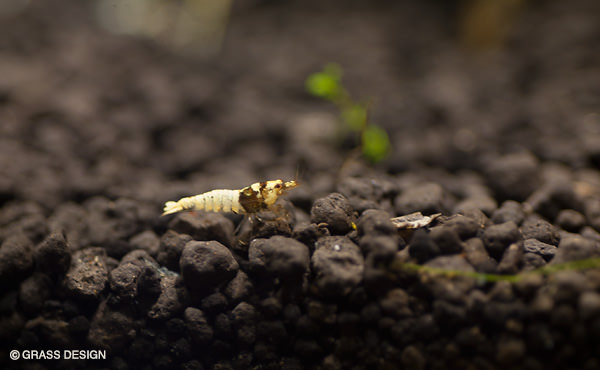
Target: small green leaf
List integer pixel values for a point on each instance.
(375, 143)
(355, 116)
(325, 84)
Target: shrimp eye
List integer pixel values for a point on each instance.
(277, 186)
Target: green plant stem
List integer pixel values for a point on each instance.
(579, 265)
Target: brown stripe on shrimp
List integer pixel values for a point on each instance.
(251, 199)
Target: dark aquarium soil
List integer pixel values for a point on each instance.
(493, 116)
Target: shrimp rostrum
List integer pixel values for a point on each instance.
(249, 200)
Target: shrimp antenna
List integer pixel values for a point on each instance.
(299, 172)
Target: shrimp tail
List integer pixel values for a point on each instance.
(183, 204)
(172, 207)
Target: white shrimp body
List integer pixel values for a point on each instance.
(220, 200)
(251, 199)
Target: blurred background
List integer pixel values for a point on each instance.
(154, 98)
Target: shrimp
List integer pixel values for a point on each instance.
(249, 200)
